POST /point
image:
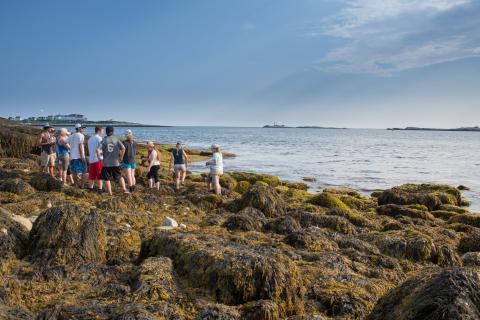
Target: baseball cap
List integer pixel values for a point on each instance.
(47, 126)
(128, 131)
(78, 126)
(63, 131)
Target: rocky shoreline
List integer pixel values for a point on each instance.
(265, 249)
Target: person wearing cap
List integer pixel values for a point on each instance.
(180, 161)
(63, 154)
(153, 166)
(129, 163)
(113, 151)
(77, 155)
(46, 142)
(95, 159)
(216, 169)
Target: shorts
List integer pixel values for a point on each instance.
(47, 160)
(64, 161)
(111, 173)
(77, 166)
(94, 170)
(153, 173)
(216, 172)
(128, 165)
(180, 167)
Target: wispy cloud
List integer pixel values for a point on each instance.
(386, 36)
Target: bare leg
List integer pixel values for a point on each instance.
(216, 182)
(134, 181)
(157, 184)
(100, 184)
(184, 175)
(122, 184)
(150, 183)
(177, 180)
(108, 185)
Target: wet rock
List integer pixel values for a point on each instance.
(463, 188)
(218, 312)
(243, 187)
(468, 219)
(264, 199)
(123, 242)
(393, 210)
(260, 310)
(235, 272)
(328, 200)
(312, 239)
(471, 259)
(433, 294)
(153, 279)
(228, 182)
(432, 196)
(17, 186)
(68, 235)
(45, 182)
(335, 223)
(443, 214)
(14, 313)
(283, 225)
(248, 219)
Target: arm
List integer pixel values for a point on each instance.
(170, 161)
(186, 158)
(65, 143)
(122, 150)
(81, 148)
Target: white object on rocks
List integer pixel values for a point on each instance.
(4, 231)
(170, 222)
(49, 204)
(23, 221)
(183, 226)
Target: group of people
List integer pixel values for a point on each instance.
(112, 160)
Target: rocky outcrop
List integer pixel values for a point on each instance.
(248, 219)
(68, 235)
(13, 237)
(265, 199)
(45, 182)
(234, 272)
(433, 294)
(17, 186)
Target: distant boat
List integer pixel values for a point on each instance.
(276, 126)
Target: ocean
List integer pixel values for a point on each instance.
(363, 159)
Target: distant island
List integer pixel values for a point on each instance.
(72, 119)
(281, 126)
(475, 129)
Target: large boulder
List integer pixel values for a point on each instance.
(235, 272)
(431, 295)
(430, 195)
(328, 200)
(68, 235)
(265, 199)
(45, 182)
(394, 210)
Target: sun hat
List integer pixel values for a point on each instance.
(63, 131)
(128, 131)
(47, 126)
(78, 126)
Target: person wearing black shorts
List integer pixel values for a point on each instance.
(153, 166)
(113, 151)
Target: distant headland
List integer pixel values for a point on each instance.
(281, 126)
(72, 119)
(476, 129)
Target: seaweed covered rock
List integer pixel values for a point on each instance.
(17, 140)
(430, 195)
(237, 273)
(335, 223)
(45, 182)
(248, 219)
(471, 259)
(153, 279)
(13, 237)
(14, 313)
(228, 182)
(123, 242)
(328, 200)
(17, 186)
(470, 243)
(394, 210)
(433, 294)
(264, 199)
(253, 178)
(468, 219)
(218, 312)
(68, 235)
(283, 225)
(312, 239)
(260, 310)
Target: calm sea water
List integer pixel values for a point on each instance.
(362, 159)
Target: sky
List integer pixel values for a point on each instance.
(345, 63)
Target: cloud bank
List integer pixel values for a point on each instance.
(386, 36)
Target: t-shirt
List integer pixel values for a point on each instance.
(76, 140)
(111, 147)
(130, 152)
(153, 157)
(94, 143)
(217, 158)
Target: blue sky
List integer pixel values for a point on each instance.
(354, 63)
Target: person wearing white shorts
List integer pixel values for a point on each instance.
(216, 169)
(180, 161)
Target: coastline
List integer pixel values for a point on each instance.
(75, 252)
